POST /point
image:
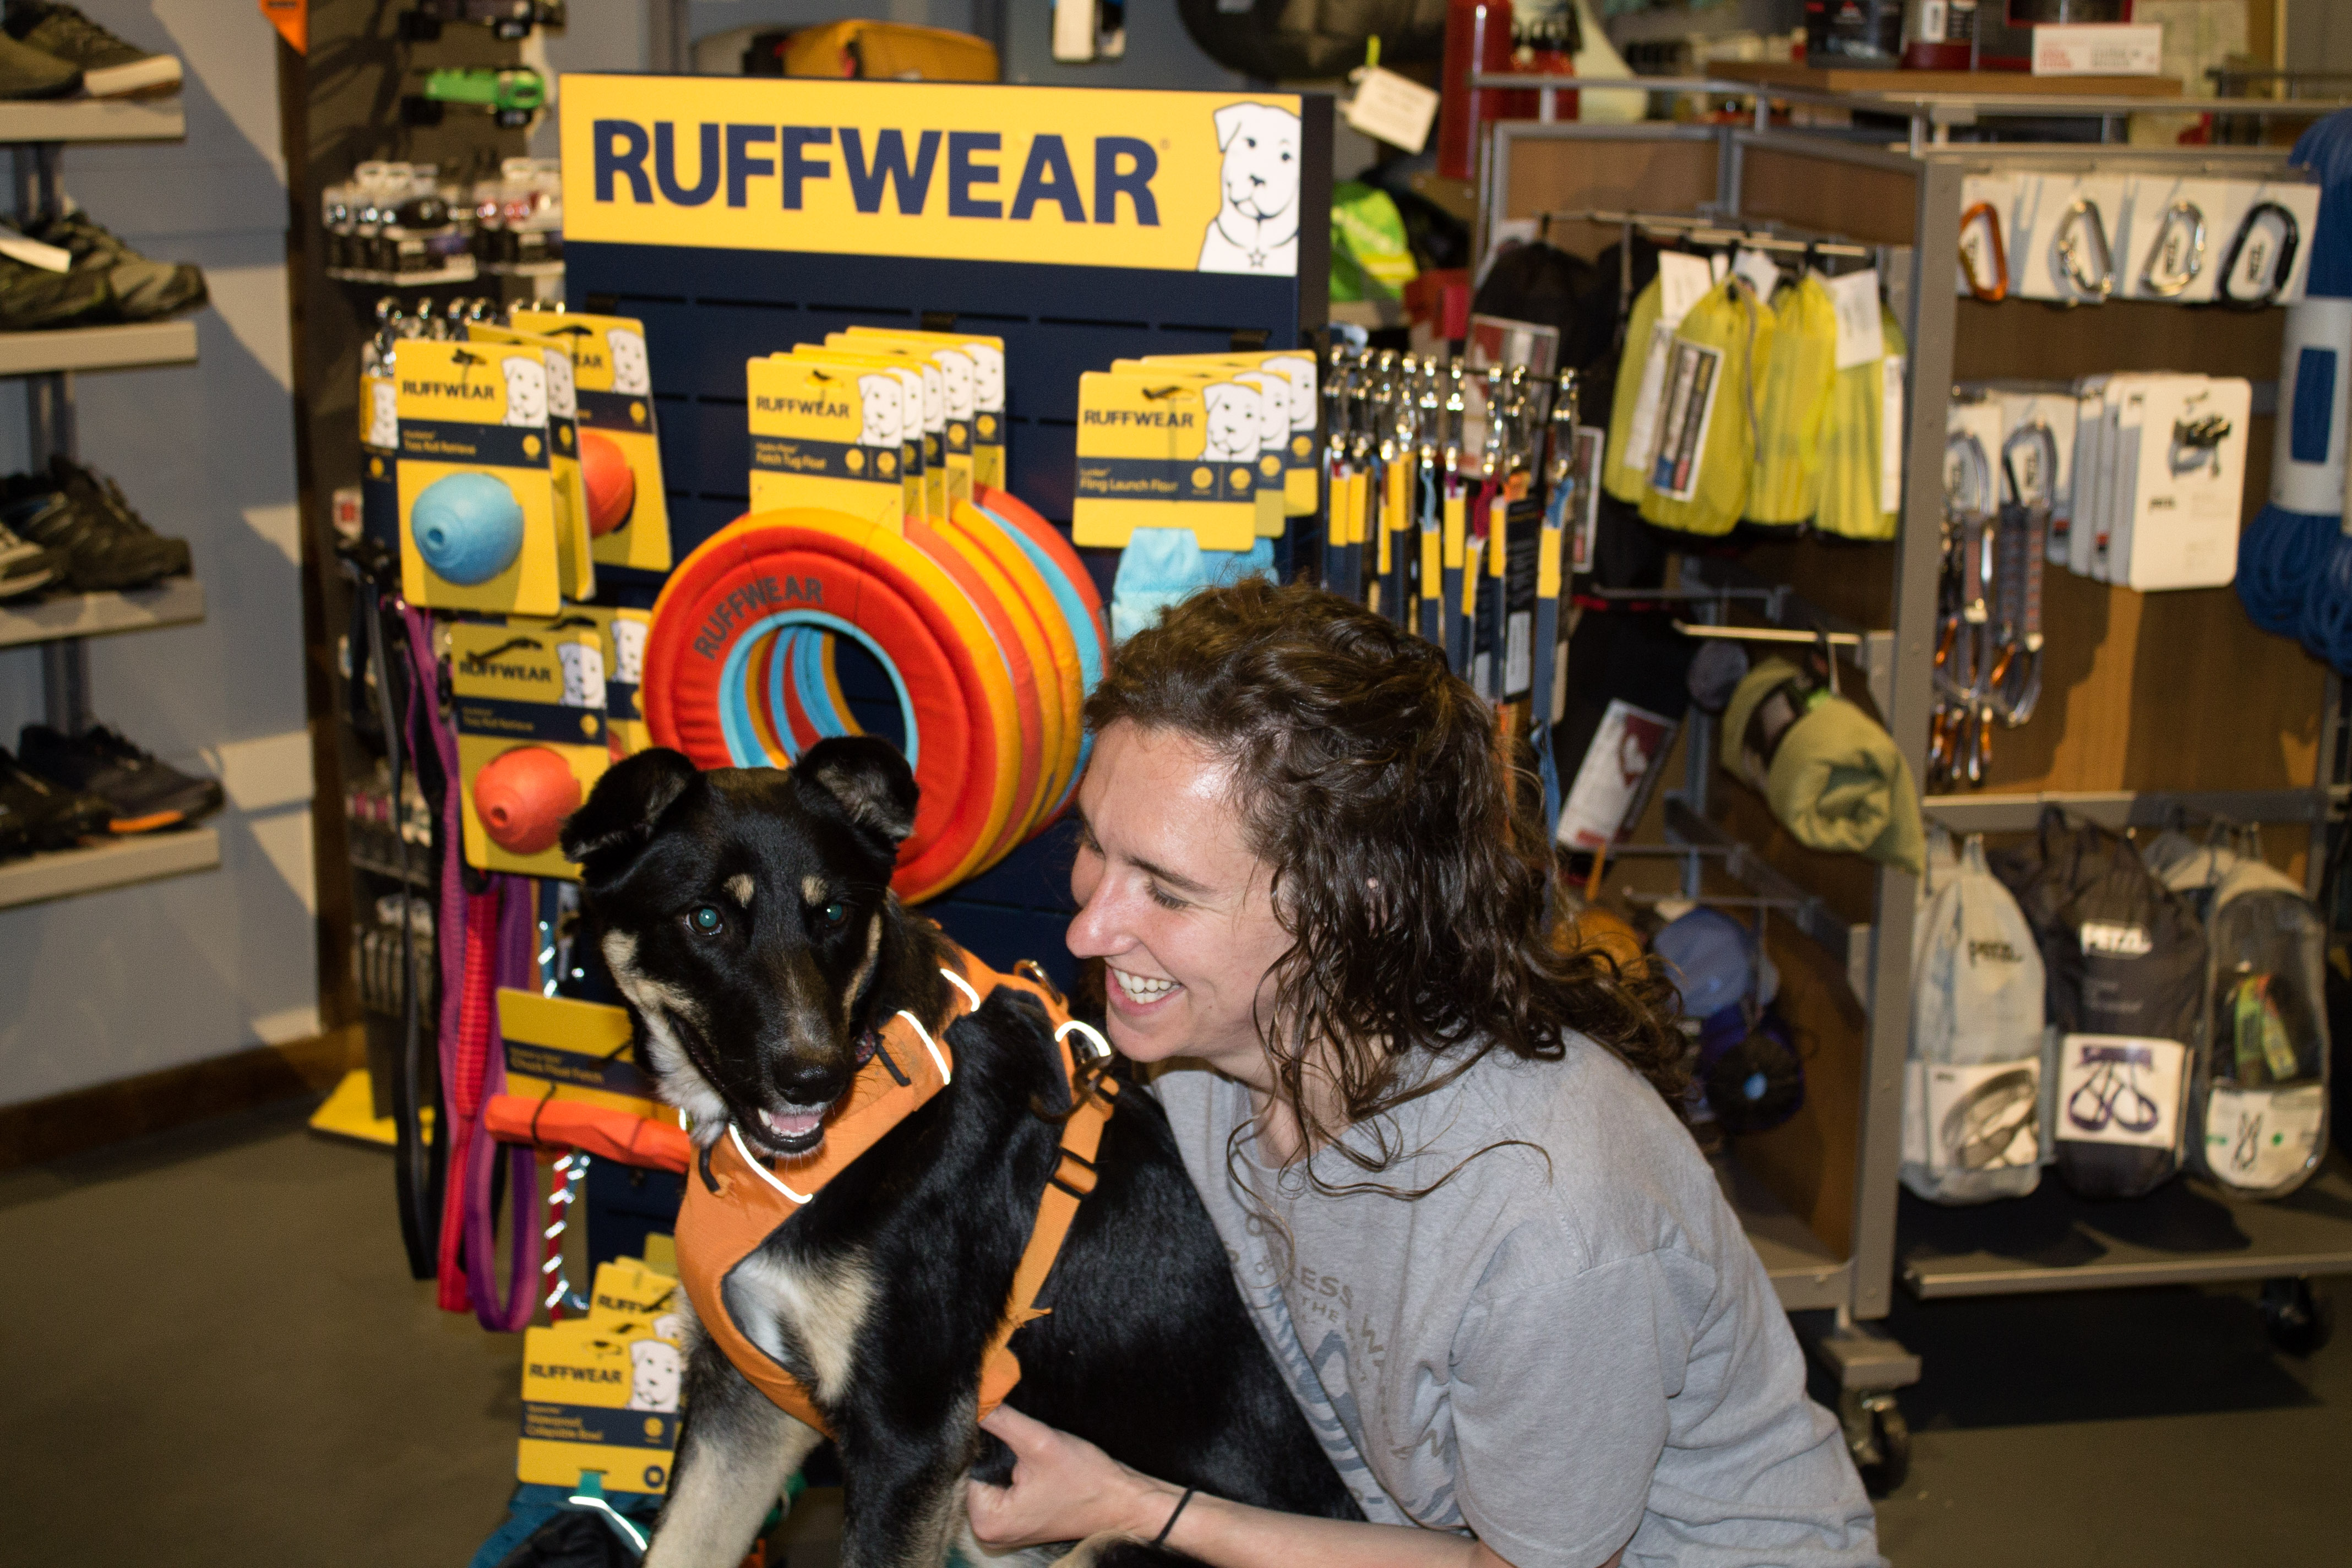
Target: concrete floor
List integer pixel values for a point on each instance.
(218, 1358)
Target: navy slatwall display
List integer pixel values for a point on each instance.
(708, 310)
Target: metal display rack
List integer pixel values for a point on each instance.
(48, 361)
(1905, 197)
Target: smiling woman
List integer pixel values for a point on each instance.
(1442, 1154)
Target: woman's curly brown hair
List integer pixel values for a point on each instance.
(1409, 864)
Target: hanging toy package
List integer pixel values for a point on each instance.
(2259, 1104)
(2124, 961)
(1975, 1125)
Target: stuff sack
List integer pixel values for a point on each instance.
(2258, 1122)
(1975, 1123)
(2124, 966)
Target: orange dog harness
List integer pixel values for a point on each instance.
(736, 1199)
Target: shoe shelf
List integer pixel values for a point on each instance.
(64, 872)
(98, 348)
(175, 602)
(2184, 1233)
(94, 119)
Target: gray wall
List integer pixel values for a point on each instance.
(110, 985)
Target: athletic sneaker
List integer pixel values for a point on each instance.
(142, 793)
(36, 299)
(107, 546)
(26, 73)
(52, 816)
(143, 290)
(110, 66)
(25, 567)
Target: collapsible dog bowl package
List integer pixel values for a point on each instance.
(1975, 1125)
(2124, 961)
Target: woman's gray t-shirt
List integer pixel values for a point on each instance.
(1567, 1347)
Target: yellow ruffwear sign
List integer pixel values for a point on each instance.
(1175, 182)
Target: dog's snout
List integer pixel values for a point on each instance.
(802, 1082)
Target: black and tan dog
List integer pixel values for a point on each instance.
(747, 917)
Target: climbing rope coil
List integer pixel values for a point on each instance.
(986, 624)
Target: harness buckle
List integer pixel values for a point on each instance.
(1077, 1183)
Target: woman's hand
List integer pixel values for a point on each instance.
(1063, 1488)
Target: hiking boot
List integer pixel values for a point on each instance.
(106, 548)
(110, 66)
(25, 567)
(51, 815)
(143, 290)
(26, 73)
(142, 794)
(36, 299)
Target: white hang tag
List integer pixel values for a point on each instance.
(2261, 1137)
(32, 253)
(1682, 281)
(1642, 433)
(1394, 109)
(1892, 434)
(1719, 266)
(1861, 334)
(1759, 270)
(2117, 1088)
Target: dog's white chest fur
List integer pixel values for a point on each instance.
(814, 1309)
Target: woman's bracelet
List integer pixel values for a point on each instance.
(1174, 1514)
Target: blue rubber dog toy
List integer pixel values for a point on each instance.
(468, 528)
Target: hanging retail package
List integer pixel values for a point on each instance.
(922, 415)
(828, 435)
(2258, 1123)
(1166, 451)
(977, 391)
(1831, 774)
(576, 567)
(1975, 1123)
(2124, 961)
(530, 701)
(619, 450)
(1700, 429)
(477, 528)
(604, 1396)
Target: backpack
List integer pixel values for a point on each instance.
(2124, 961)
(2259, 1104)
(1540, 283)
(1975, 1118)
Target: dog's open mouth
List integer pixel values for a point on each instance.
(794, 1129)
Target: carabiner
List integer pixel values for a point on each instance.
(1974, 258)
(2282, 265)
(2082, 228)
(2170, 270)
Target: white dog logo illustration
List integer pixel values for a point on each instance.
(1273, 407)
(655, 1373)
(987, 377)
(562, 396)
(629, 654)
(955, 370)
(583, 675)
(383, 413)
(1232, 423)
(632, 371)
(526, 393)
(935, 398)
(884, 420)
(1256, 225)
(1300, 369)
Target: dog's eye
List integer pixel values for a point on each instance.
(834, 913)
(706, 921)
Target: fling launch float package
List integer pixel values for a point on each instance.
(1167, 451)
(620, 458)
(476, 506)
(531, 699)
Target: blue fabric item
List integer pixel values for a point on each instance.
(1712, 958)
(1161, 566)
(2279, 555)
(2326, 629)
(2326, 150)
(532, 1506)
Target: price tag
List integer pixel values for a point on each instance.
(1682, 281)
(1860, 334)
(1891, 436)
(1394, 109)
(1762, 275)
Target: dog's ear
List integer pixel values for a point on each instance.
(868, 778)
(618, 820)
(1229, 120)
